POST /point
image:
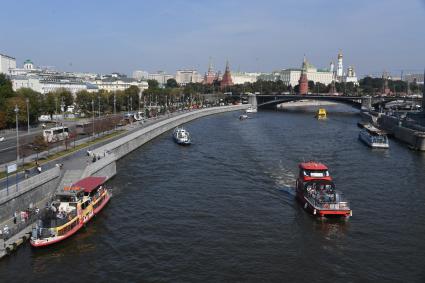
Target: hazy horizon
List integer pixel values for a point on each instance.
(107, 36)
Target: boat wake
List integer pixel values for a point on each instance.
(284, 179)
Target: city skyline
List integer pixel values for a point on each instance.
(102, 37)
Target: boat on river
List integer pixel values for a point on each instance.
(373, 137)
(72, 208)
(243, 117)
(181, 136)
(321, 114)
(317, 194)
(251, 109)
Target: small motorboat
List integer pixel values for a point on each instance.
(321, 114)
(181, 136)
(251, 109)
(243, 117)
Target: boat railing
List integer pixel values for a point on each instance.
(334, 205)
(56, 219)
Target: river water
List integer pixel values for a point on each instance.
(223, 210)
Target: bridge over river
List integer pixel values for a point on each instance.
(266, 101)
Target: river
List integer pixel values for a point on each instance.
(223, 210)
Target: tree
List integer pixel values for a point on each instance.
(50, 104)
(83, 100)
(35, 100)
(10, 110)
(153, 84)
(6, 91)
(133, 93)
(171, 83)
(64, 95)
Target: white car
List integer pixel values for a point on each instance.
(2, 139)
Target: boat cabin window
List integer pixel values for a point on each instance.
(65, 198)
(316, 173)
(85, 204)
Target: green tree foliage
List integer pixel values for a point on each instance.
(6, 91)
(65, 96)
(373, 86)
(83, 100)
(171, 83)
(10, 110)
(35, 102)
(153, 84)
(132, 93)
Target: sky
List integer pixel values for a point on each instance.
(106, 36)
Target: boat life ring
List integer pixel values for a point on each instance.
(326, 205)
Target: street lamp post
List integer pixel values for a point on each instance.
(115, 102)
(98, 102)
(28, 113)
(115, 117)
(17, 133)
(17, 143)
(63, 119)
(92, 110)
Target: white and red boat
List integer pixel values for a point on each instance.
(70, 210)
(316, 192)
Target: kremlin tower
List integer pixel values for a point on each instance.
(303, 82)
(339, 68)
(227, 77)
(210, 76)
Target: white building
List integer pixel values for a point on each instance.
(339, 68)
(414, 78)
(112, 84)
(140, 75)
(46, 85)
(351, 76)
(244, 77)
(341, 76)
(6, 63)
(161, 77)
(291, 76)
(184, 77)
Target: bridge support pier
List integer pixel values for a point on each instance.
(252, 99)
(366, 102)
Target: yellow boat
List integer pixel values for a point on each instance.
(321, 114)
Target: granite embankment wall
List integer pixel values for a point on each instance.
(404, 130)
(31, 190)
(125, 145)
(38, 188)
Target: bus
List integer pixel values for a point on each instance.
(56, 134)
(84, 128)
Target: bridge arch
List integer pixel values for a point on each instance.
(271, 102)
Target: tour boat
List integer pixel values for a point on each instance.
(181, 136)
(70, 210)
(251, 109)
(374, 137)
(316, 192)
(321, 114)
